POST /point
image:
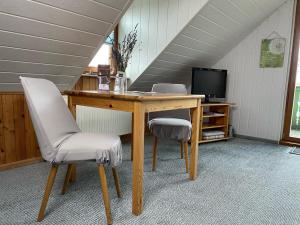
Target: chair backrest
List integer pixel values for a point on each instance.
(51, 118)
(170, 88)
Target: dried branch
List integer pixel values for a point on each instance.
(122, 53)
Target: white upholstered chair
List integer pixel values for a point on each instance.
(61, 141)
(172, 124)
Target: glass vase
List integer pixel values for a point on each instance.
(120, 82)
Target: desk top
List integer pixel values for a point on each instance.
(133, 95)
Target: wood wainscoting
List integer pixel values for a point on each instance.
(91, 82)
(87, 83)
(18, 144)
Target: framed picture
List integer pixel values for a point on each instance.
(272, 53)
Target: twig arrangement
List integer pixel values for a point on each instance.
(123, 52)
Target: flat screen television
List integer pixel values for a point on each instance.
(209, 82)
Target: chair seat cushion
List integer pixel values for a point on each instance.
(171, 128)
(105, 149)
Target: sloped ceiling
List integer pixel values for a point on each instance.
(214, 31)
(53, 39)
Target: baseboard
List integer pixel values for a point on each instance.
(24, 162)
(256, 139)
(289, 143)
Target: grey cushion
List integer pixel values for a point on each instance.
(59, 137)
(172, 124)
(171, 128)
(88, 146)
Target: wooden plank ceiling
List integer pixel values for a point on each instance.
(52, 39)
(214, 31)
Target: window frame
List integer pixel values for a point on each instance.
(286, 138)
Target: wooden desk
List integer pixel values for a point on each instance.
(139, 104)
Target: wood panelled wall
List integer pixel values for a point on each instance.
(18, 145)
(87, 83)
(90, 83)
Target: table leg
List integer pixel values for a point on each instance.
(194, 141)
(138, 158)
(72, 109)
(132, 136)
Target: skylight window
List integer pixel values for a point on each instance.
(102, 56)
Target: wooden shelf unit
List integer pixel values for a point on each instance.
(214, 116)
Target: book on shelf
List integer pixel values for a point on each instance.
(213, 114)
(213, 137)
(212, 133)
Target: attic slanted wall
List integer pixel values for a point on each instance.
(213, 30)
(158, 23)
(54, 40)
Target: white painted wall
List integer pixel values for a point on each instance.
(159, 22)
(96, 120)
(213, 31)
(91, 119)
(259, 93)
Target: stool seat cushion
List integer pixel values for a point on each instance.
(171, 128)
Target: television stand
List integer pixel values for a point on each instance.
(214, 122)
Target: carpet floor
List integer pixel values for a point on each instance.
(240, 182)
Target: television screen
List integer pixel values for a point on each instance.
(209, 82)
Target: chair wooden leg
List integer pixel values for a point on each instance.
(73, 174)
(117, 182)
(48, 189)
(186, 156)
(181, 149)
(67, 179)
(154, 153)
(105, 194)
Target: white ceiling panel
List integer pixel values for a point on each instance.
(45, 30)
(17, 54)
(117, 4)
(11, 39)
(29, 67)
(55, 16)
(90, 9)
(53, 39)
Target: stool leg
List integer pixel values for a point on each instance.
(117, 182)
(186, 156)
(154, 153)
